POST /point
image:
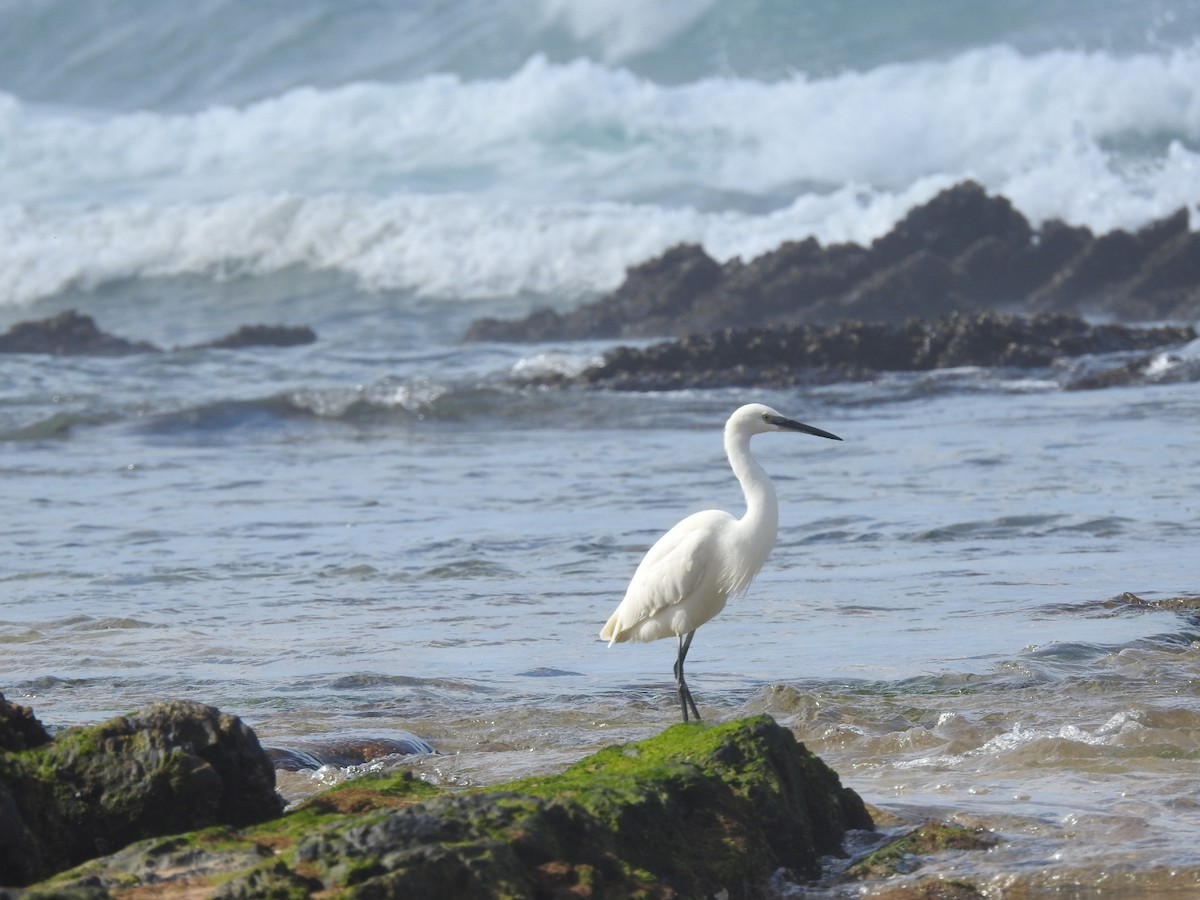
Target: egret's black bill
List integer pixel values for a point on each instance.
(800, 426)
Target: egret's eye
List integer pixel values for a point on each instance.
(766, 417)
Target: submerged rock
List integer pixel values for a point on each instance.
(964, 251)
(345, 752)
(262, 336)
(72, 334)
(169, 768)
(68, 334)
(696, 811)
(905, 852)
(785, 355)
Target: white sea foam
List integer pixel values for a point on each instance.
(553, 180)
(1021, 736)
(586, 132)
(445, 246)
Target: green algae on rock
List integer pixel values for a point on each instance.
(722, 806)
(171, 767)
(905, 852)
(695, 811)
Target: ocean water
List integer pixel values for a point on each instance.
(981, 604)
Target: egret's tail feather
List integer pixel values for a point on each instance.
(609, 631)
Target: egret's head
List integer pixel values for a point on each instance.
(755, 418)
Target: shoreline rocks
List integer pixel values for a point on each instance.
(963, 252)
(693, 811)
(739, 809)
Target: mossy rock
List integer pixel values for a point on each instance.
(719, 805)
(693, 812)
(172, 767)
(906, 852)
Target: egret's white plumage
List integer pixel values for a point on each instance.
(686, 577)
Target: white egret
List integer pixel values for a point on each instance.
(686, 577)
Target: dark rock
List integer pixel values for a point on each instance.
(72, 334)
(962, 252)
(781, 356)
(781, 286)
(661, 289)
(539, 325)
(921, 281)
(1099, 269)
(696, 811)
(1168, 284)
(68, 334)
(1054, 246)
(169, 768)
(653, 295)
(1162, 231)
(951, 224)
(19, 730)
(263, 336)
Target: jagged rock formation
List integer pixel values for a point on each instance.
(963, 252)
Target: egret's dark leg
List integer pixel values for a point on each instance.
(685, 696)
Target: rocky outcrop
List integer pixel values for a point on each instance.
(786, 355)
(963, 252)
(68, 334)
(170, 768)
(72, 334)
(696, 811)
(19, 729)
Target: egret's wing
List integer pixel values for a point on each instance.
(670, 572)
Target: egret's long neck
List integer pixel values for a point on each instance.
(762, 508)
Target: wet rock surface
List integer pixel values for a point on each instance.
(345, 752)
(695, 811)
(71, 334)
(786, 355)
(963, 252)
(169, 768)
(19, 728)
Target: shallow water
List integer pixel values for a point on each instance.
(379, 535)
(418, 550)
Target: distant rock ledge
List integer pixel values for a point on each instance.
(72, 334)
(781, 356)
(963, 252)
